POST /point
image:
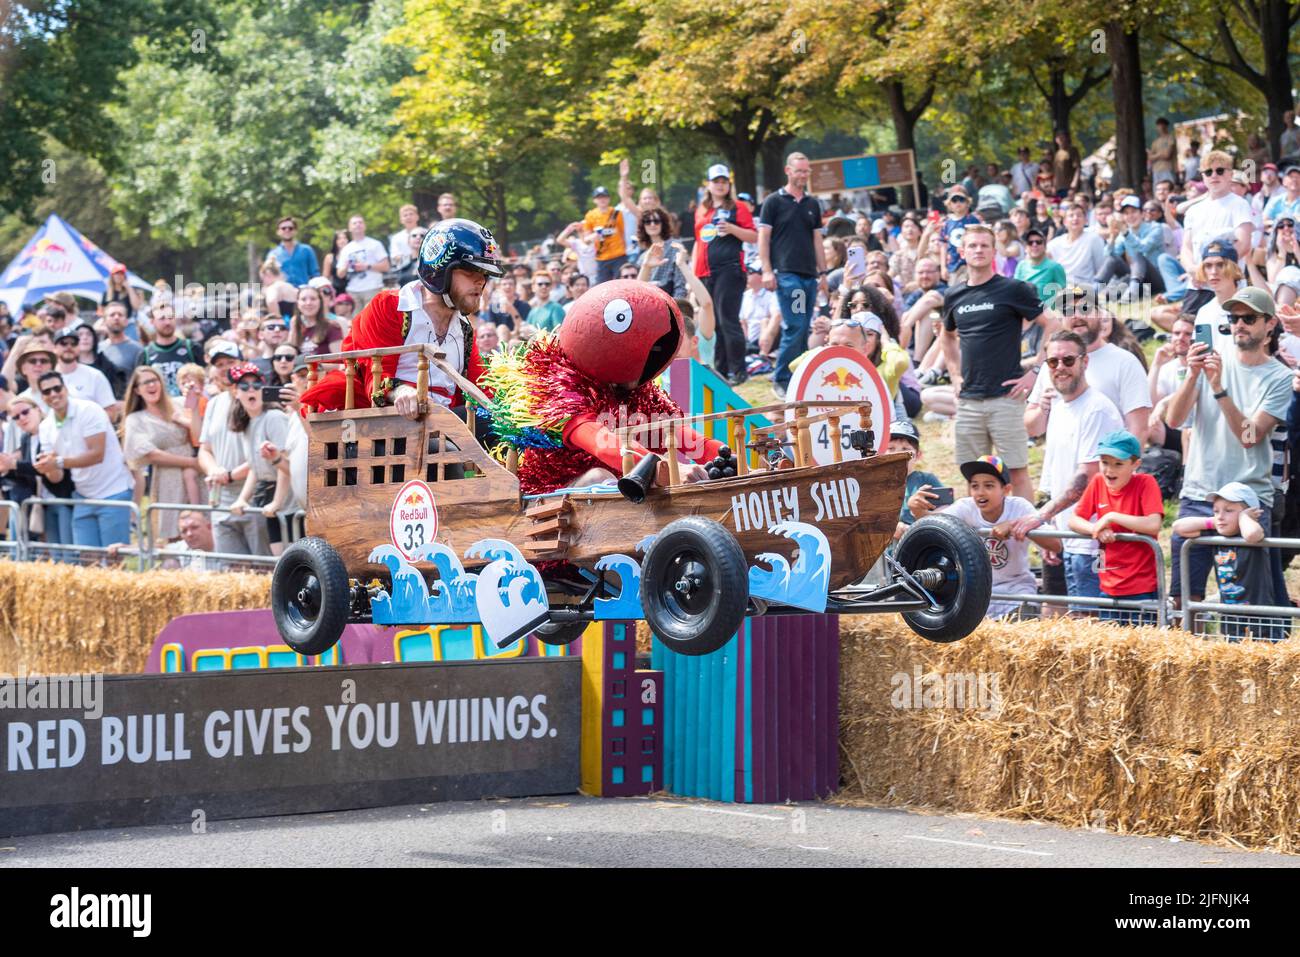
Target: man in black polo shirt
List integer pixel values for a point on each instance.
(983, 319)
(790, 250)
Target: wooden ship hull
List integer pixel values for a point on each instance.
(361, 459)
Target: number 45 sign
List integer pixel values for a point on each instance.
(837, 372)
(414, 519)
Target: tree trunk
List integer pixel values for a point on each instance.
(1058, 101)
(773, 155)
(742, 158)
(905, 119)
(1126, 90)
(1275, 34)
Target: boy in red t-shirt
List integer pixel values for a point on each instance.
(1122, 501)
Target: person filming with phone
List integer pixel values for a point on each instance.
(1232, 399)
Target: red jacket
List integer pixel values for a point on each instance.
(382, 325)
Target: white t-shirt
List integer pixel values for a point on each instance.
(1116, 373)
(230, 449)
(1214, 315)
(755, 307)
(1010, 558)
(296, 448)
(586, 253)
(363, 253)
(399, 248)
(1081, 259)
(67, 438)
(87, 382)
(1072, 434)
(1171, 376)
(1215, 219)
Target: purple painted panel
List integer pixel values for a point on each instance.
(798, 644)
(362, 644)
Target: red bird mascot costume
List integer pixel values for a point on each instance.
(560, 401)
(403, 318)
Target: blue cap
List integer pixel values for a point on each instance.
(903, 428)
(1120, 445)
(1222, 248)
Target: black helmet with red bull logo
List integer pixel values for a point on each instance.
(456, 244)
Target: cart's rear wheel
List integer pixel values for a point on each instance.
(560, 633)
(310, 596)
(951, 562)
(694, 586)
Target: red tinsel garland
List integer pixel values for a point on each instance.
(563, 391)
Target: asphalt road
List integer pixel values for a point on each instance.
(592, 832)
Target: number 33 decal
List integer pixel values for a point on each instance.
(414, 536)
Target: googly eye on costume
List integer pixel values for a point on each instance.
(618, 315)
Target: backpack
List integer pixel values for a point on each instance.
(1166, 467)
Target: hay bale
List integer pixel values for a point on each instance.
(1137, 730)
(58, 618)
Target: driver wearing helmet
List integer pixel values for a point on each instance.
(456, 259)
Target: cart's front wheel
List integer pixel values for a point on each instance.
(949, 560)
(694, 586)
(310, 596)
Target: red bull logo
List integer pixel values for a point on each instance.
(415, 498)
(841, 379)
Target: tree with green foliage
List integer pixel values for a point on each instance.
(61, 64)
(287, 115)
(1250, 39)
(497, 102)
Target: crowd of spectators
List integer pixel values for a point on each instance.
(1015, 309)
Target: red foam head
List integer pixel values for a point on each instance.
(622, 331)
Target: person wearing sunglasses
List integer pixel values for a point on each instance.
(297, 260)
(414, 238)
(20, 442)
(282, 360)
(1233, 398)
(266, 489)
(959, 217)
(1080, 416)
(659, 259)
(1038, 269)
(544, 312)
(78, 439)
(1219, 214)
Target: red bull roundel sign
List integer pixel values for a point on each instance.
(837, 372)
(414, 519)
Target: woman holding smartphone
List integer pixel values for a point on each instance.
(722, 227)
(250, 417)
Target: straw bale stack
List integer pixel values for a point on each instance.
(59, 619)
(1138, 730)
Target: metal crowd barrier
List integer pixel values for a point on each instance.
(60, 551)
(1253, 621)
(141, 545)
(13, 547)
(1157, 608)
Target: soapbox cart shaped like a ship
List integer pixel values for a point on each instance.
(414, 523)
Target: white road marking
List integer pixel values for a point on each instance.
(718, 810)
(987, 847)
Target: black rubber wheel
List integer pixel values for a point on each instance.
(953, 549)
(694, 586)
(560, 633)
(310, 596)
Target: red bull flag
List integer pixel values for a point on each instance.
(58, 259)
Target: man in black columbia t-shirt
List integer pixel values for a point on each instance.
(983, 320)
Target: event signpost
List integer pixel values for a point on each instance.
(842, 173)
